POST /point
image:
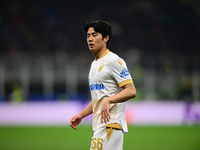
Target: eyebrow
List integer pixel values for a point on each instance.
(92, 33)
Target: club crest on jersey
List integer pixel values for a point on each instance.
(100, 66)
(120, 62)
(124, 73)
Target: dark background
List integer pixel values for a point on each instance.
(43, 49)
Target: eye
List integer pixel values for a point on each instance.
(94, 34)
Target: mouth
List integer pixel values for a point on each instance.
(91, 45)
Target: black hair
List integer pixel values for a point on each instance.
(100, 26)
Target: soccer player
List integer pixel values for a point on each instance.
(111, 85)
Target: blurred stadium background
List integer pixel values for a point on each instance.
(44, 61)
(44, 50)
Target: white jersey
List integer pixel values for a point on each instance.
(107, 75)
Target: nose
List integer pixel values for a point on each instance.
(90, 38)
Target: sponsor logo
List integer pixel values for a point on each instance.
(96, 87)
(124, 73)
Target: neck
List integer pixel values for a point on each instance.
(99, 53)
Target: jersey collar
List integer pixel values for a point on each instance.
(104, 53)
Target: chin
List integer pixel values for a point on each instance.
(92, 50)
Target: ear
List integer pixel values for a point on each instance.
(106, 38)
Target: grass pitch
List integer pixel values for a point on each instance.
(65, 138)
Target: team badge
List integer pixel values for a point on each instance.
(120, 62)
(100, 66)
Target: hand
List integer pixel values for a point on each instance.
(75, 121)
(105, 114)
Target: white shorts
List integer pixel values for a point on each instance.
(107, 139)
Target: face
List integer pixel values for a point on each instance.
(95, 40)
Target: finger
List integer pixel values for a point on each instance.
(72, 123)
(107, 115)
(74, 127)
(104, 116)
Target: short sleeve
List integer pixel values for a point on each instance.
(120, 72)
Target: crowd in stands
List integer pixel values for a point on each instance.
(163, 35)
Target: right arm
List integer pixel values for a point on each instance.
(78, 118)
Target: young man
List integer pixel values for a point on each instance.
(111, 86)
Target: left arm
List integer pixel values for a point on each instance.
(127, 93)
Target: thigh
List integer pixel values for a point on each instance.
(116, 141)
(100, 140)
